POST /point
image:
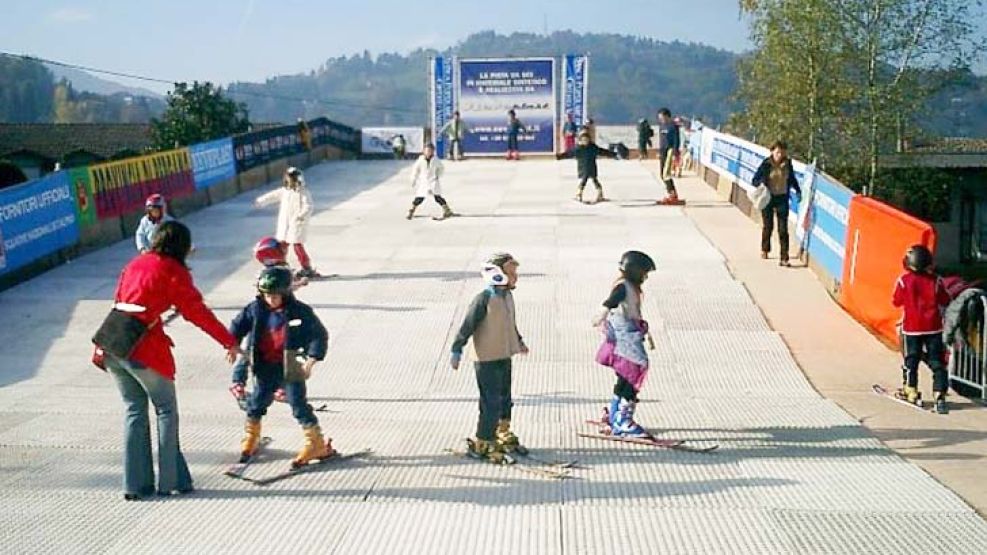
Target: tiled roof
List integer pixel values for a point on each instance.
(55, 140)
(953, 145)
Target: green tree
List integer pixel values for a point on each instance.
(26, 90)
(196, 114)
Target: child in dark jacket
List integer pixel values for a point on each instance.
(585, 154)
(922, 296)
(490, 321)
(285, 340)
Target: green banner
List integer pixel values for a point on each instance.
(82, 189)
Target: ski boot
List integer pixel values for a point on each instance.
(315, 447)
(672, 199)
(910, 395)
(506, 441)
(613, 411)
(240, 394)
(482, 449)
(941, 407)
(446, 213)
(510, 155)
(248, 445)
(411, 212)
(579, 196)
(599, 197)
(624, 424)
(307, 273)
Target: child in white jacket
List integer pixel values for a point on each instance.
(293, 216)
(429, 169)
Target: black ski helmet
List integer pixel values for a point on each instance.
(918, 258)
(274, 280)
(635, 264)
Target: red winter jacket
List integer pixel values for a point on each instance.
(157, 283)
(922, 297)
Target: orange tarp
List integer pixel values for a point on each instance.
(877, 238)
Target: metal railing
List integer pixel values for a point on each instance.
(968, 361)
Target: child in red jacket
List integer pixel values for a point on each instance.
(921, 295)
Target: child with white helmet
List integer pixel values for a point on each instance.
(490, 321)
(293, 216)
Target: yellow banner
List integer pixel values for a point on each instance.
(109, 176)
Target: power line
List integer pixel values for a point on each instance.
(330, 103)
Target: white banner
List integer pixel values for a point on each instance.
(378, 140)
(606, 134)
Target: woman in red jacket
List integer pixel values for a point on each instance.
(149, 285)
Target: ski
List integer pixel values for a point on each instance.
(883, 392)
(307, 468)
(560, 464)
(677, 444)
(554, 472)
(237, 470)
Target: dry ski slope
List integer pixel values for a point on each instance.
(794, 473)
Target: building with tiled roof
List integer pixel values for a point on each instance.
(37, 147)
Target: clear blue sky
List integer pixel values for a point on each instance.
(227, 40)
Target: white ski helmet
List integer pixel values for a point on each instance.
(493, 275)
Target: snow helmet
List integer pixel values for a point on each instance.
(635, 264)
(268, 251)
(918, 258)
(154, 201)
(275, 280)
(493, 268)
(293, 171)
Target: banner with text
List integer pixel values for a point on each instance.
(379, 140)
(441, 93)
(121, 187)
(489, 88)
(36, 219)
(575, 75)
(212, 162)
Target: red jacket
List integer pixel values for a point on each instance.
(157, 283)
(922, 297)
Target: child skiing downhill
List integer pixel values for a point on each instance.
(430, 170)
(586, 154)
(155, 213)
(623, 349)
(922, 296)
(285, 340)
(293, 215)
(490, 321)
(271, 254)
(514, 129)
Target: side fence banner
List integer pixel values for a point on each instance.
(260, 147)
(488, 88)
(826, 222)
(121, 187)
(37, 218)
(877, 236)
(212, 162)
(378, 140)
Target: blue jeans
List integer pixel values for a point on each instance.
(268, 379)
(137, 386)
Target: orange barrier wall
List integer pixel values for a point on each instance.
(877, 238)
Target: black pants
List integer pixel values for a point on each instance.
(665, 160)
(934, 349)
(625, 390)
(777, 207)
(494, 381)
(596, 182)
(438, 199)
(455, 147)
(643, 150)
(512, 142)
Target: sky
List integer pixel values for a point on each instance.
(249, 40)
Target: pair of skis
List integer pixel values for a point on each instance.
(238, 470)
(530, 464)
(893, 395)
(603, 432)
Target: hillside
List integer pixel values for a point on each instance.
(86, 82)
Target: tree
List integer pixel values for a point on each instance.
(196, 114)
(26, 89)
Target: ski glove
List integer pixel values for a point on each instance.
(454, 360)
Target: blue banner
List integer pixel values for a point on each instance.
(828, 214)
(489, 88)
(212, 162)
(442, 101)
(37, 218)
(574, 98)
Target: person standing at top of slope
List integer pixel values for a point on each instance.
(644, 134)
(569, 132)
(456, 130)
(293, 216)
(514, 129)
(668, 148)
(586, 154)
(425, 176)
(625, 330)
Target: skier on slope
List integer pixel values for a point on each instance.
(585, 154)
(155, 213)
(293, 216)
(490, 321)
(623, 349)
(668, 148)
(425, 175)
(285, 341)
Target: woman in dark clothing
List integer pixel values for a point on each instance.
(777, 174)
